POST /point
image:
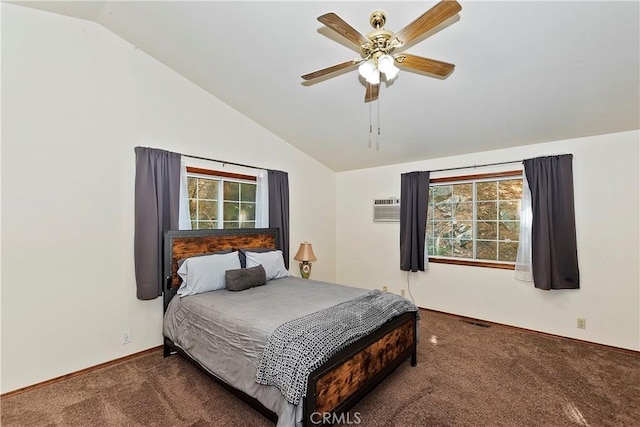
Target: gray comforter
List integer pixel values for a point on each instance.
(227, 331)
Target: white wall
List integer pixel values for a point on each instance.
(606, 185)
(76, 101)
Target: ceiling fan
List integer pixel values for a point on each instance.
(378, 46)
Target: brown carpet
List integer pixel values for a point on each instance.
(466, 376)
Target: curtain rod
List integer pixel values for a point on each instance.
(477, 166)
(222, 161)
(435, 170)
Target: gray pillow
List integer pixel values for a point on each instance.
(205, 273)
(222, 252)
(245, 278)
(271, 261)
(242, 253)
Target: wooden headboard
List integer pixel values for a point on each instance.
(179, 244)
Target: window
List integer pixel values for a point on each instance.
(475, 219)
(221, 199)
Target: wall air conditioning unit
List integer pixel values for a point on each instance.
(386, 210)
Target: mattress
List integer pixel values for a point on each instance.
(227, 331)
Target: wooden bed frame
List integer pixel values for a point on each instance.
(336, 386)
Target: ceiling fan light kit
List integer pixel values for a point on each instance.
(383, 63)
(378, 46)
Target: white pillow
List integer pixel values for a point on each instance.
(206, 273)
(271, 261)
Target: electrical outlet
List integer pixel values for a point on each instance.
(401, 292)
(384, 288)
(582, 323)
(125, 337)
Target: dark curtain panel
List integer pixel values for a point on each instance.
(554, 252)
(414, 198)
(157, 198)
(279, 209)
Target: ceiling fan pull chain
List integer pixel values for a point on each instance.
(378, 138)
(370, 126)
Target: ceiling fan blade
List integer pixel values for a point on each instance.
(431, 66)
(329, 70)
(428, 20)
(372, 92)
(338, 25)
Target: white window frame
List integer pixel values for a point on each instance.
(221, 178)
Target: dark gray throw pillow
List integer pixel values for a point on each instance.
(245, 278)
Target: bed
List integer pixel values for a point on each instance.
(227, 345)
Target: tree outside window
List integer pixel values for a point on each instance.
(474, 219)
(221, 202)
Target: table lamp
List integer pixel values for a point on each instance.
(306, 255)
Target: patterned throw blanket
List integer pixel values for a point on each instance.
(299, 346)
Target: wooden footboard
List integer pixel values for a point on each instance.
(343, 380)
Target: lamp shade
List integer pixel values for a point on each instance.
(385, 63)
(305, 253)
(392, 73)
(374, 78)
(367, 68)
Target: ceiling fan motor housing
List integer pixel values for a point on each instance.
(380, 42)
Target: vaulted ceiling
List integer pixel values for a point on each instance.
(526, 72)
